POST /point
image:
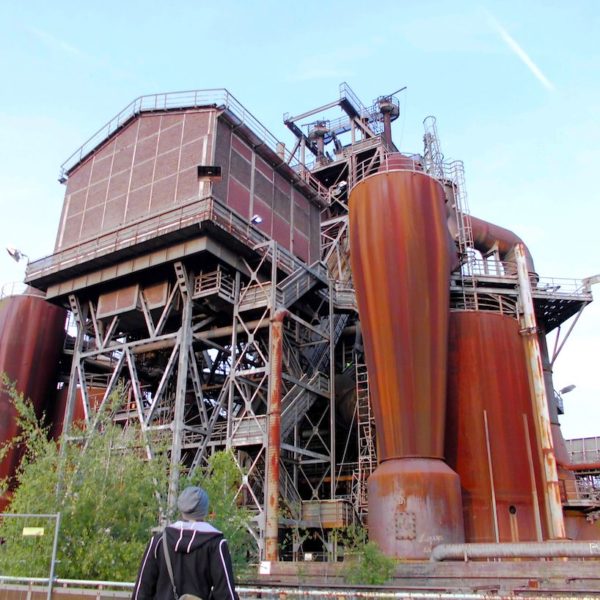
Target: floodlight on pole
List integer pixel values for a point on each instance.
(256, 220)
(567, 389)
(588, 282)
(16, 254)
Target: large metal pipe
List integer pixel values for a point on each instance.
(517, 550)
(554, 513)
(274, 437)
(400, 257)
(488, 237)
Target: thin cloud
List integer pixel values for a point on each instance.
(521, 54)
(78, 55)
(54, 42)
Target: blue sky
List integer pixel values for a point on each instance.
(515, 87)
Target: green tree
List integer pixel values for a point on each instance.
(109, 499)
(222, 479)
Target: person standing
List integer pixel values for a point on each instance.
(199, 556)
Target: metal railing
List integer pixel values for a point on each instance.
(19, 288)
(474, 300)
(193, 212)
(28, 518)
(584, 450)
(214, 282)
(579, 491)
(98, 590)
(210, 98)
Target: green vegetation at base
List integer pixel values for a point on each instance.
(109, 494)
(364, 562)
(222, 479)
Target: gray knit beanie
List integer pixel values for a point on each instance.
(193, 503)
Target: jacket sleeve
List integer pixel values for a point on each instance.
(222, 572)
(145, 586)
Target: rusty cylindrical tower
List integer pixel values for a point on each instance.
(32, 334)
(490, 432)
(400, 252)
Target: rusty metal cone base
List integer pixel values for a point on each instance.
(414, 505)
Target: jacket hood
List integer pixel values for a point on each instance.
(187, 536)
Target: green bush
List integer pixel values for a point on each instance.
(108, 496)
(365, 564)
(222, 479)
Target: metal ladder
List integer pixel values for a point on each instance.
(453, 174)
(367, 451)
(433, 158)
(465, 234)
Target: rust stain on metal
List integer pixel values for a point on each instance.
(274, 438)
(414, 504)
(487, 372)
(553, 504)
(400, 268)
(32, 333)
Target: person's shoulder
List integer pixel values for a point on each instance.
(202, 527)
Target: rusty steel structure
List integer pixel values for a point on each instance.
(391, 214)
(333, 315)
(31, 331)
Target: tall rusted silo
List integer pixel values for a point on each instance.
(401, 264)
(490, 435)
(32, 334)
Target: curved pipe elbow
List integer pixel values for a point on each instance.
(488, 237)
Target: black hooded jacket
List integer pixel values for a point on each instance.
(201, 564)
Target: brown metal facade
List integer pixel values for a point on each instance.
(254, 189)
(147, 167)
(490, 434)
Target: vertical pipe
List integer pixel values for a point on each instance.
(534, 494)
(74, 375)
(554, 513)
(274, 437)
(332, 461)
(387, 129)
(491, 472)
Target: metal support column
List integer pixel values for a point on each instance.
(274, 437)
(554, 514)
(185, 340)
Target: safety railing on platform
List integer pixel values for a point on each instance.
(580, 492)
(18, 288)
(584, 450)
(193, 212)
(28, 588)
(209, 98)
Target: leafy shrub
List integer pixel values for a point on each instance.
(366, 563)
(108, 497)
(221, 479)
